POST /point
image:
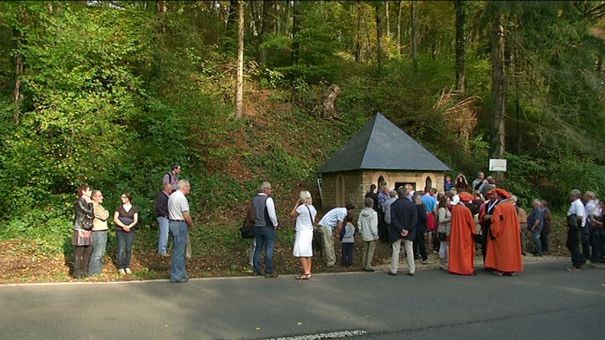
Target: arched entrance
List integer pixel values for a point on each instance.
(428, 184)
(380, 182)
(340, 190)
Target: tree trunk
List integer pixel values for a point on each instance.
(161, 5)
(413, 23)
(399, 27)
(239, 93)
(460, 46)
(267, 27)
(19, 68)
(232, 16)
(498, 87)
(378, 36)
(358, 45)
(386, 18)
(295, 30)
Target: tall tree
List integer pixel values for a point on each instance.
(378, 36)
(358, 39)
(460, 46)
(19, 63)
(386, 18)
(239, 92)
(414, 29)
(268, 26)
(161, 5)
(295, 32)
(400, 10)
(498, 84)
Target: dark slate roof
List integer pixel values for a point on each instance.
(381, 145)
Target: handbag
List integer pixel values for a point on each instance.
(247, 228)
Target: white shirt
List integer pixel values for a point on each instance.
(270, 209)
(177, 205)
(333, 217)
(577, 208)
(303, 220)
(592, 208)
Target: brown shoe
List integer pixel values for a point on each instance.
(271, 275)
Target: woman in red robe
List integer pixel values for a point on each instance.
(462, 244)
(504, 246)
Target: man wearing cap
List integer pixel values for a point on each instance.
(462, 244)
(504, 247)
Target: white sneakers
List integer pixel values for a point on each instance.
(124, 271)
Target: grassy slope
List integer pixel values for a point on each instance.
(276, 142)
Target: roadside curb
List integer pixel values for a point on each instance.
(379, 269)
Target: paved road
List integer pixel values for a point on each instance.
(545, 302)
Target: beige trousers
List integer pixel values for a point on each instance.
(409, 253)
(328, 246)
(368, 253)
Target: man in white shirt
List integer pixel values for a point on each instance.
(333, 221)
(576, 220)
(588, 233)
(179, 223)
(264, 229)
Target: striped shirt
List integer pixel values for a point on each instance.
(333, 217)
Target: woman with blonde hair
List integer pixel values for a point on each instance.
(304, 212)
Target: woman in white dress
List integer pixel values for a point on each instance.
(305, 214)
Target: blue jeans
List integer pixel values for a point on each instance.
(99, 242)
(180, 233)
(535, 235)
(265, 240)
(125, 240)
(163, 238)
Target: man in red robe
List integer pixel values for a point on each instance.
(462, 244)
(504, 246)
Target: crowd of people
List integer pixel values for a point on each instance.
(91, 228)
(454, 224)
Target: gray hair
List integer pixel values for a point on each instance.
(264, 187)
(183, 183)
(575, 193)
(590, 194)
(393, 193)
(513, 198)
(368, 202)
(537, 202)
(306, 196)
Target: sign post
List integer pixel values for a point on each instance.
(499, 166)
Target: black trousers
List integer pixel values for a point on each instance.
(81, 260)
(573, 244)
(420, 245)
(347, 253)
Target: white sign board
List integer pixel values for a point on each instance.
(497, 165)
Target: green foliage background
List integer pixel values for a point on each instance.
(110, 101)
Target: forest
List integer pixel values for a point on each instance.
(111, 93)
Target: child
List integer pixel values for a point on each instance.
(347, 240)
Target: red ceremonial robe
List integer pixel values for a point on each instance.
(504, 250)
(462, 245)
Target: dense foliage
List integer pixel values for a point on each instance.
(112, 93)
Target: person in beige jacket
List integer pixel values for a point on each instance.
(368, 228)
(99, 234)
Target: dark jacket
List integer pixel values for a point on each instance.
(161, 205)
(85, 214)
(403, 217)
(421, 220)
